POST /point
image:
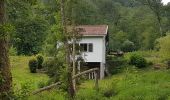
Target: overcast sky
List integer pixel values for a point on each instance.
(165, 1)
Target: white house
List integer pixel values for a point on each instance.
(93, 42)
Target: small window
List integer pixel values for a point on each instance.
(84, 47)
(90, 47)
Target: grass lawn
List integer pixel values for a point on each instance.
(22, 75)
(132, 84)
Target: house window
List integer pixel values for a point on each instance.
(86, 47)
(83, 47)
(90, 47)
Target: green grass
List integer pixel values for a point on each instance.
(134, 85)
(131, 84)
(49, 95)
(21, 73)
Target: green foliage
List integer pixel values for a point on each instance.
(115, 64)
(125, 19)
(33, 63)
(5, 30)
(162, 45)
(40, 60)
(23, 92)
(54, 37)
(116, 40)
(55, 66)
(42, 84)
(138, 61)
(30, 26)
(12, 51)
(29, 40)
(128, 46)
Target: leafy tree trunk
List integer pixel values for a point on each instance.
(155, 6)
(5, 74)
(160, 25)
(71, 90)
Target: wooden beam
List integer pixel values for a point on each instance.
(85, 72)
(96, 70)
(46, 88)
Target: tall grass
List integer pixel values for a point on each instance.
(135, 85)
(49, 95)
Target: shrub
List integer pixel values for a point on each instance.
(53, 68)
(162, 45)
(128, 46)
(115, 64)
(40, 60)
(33, 65)
(138, 61)
(42, 84)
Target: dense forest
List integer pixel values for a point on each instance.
(133, 25)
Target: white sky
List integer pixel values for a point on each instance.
(165, 1)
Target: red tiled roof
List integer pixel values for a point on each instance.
(93, 29)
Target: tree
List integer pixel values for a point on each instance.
(30, 36)
(71, 90)
(5, 74)
(162, 45)
(167, 15)
(156, 7)
(31, 26)
(128, 46)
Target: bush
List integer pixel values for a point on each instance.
(115, 64)
(162, 45)
(53, 68)
(138, 61)
(128, 46)
(40, 60)
(42, 84)
(33, 65)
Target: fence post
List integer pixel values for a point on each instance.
(96, 80)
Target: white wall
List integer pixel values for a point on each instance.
(98, 54)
